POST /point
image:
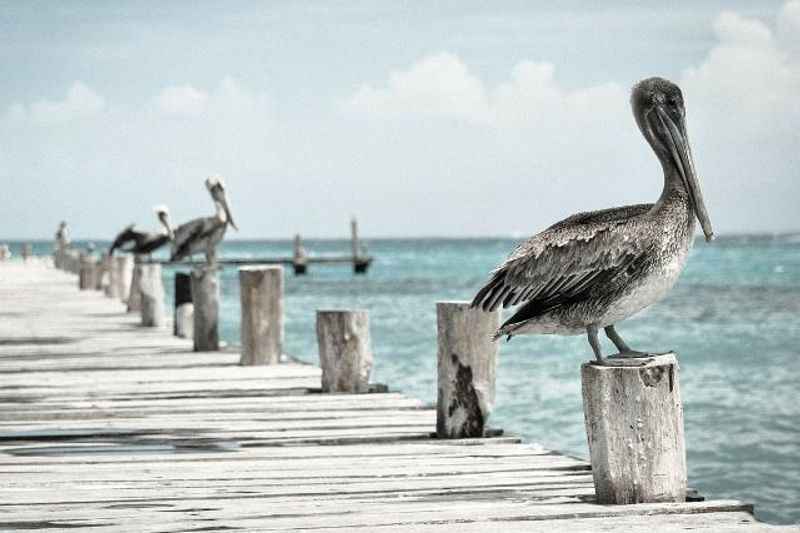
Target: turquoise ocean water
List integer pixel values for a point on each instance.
(734, 319)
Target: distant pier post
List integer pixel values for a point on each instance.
(183, 323)
(135, 294)
(300, 257)
(110, 267)
(151, 288)
(86, 273)
(74, 261)
(345, 353)
(360, 264)
(100, 272)
(634, 424)
(261, 292)
(467, 360)
(205, 295)
(124, 273)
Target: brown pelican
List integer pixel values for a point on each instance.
(594, 269)
(203, 234)
(62, 235)
(142, 242)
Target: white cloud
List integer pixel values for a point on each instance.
(788, 27)
(441, 85)
(79, 103)
(438, 85)
(748, 76)
(182, 100)
(743, 114)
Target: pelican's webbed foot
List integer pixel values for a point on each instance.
(625, 357)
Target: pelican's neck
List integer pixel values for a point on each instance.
(674, 206)
(220, 213)
(674, 188)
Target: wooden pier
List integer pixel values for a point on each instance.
(300, 259)
(107, 426)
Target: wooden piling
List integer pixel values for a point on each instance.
(111, 284)
(86, 273)
(151, 288)
(124, 273)
(183, 323)
(634, 424)
(261, 293)
(360, 263)
(345, 354)
(205, 295)
(135, 294)
(300, 257)
(467, 359)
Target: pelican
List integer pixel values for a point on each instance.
(142, 242)
(204, 234)
(62, 234)
(594, 269)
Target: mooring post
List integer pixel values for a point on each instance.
(100, 272)
(634, 424)
(261, 297)
(135, 294)
(205, 295)
(345, 353)
(467, 360)
(151, 288)
(300, 258)
(111, 275)
(124, 273)
(183, 323)
(360, 264)
(86, 275)
(74, 262)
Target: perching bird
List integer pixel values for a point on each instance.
(142, 242)
(204, 234)
(594, 269)
(62, 235)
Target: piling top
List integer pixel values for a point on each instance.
(258, 268)
(453, 303)
(339, 311)
(669, 358)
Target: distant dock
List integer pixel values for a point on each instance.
(299, 261)
(108, 426)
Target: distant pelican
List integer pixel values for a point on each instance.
(142, 242)
(204, 234)
(62, 235)
(594, 269)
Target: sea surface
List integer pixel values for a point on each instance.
(733, 318)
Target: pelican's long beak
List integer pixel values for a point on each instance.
(164, 218)
(228, 212)
(678, 145)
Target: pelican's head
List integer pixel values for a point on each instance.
(658, 107)
(162, 213)
(216, 187)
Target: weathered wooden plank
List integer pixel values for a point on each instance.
(108, 427)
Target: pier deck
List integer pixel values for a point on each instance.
(109, 427)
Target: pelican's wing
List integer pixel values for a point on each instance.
(123, 237)
(151, 242)
(565, 261)
(189, 234)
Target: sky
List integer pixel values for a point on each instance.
(447, 118)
